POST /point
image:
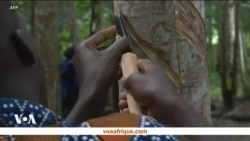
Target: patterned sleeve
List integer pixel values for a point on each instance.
(23, 113)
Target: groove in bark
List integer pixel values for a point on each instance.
(172, 33)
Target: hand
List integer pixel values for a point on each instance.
(152, 88)
(96, 68)
(123, 104)
(96, 71)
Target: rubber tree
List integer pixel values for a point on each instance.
(172, 33)
(45, 33)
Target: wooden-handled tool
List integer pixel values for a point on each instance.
(128, 65)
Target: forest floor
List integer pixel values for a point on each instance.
(239, 117)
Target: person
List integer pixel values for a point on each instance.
(22, 73)
(69, 83)
(96, 70)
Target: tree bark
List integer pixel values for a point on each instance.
(242, 52)
(97, 17)
(236, 49)
(172, 33)
(243, 67)
(226, 64)
(210, 48)
(71, 15)
(32, 18)
(45, 32)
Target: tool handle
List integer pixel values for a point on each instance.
(128, 64)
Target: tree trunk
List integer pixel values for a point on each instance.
(71, 14)
(242, 53)
(243, 61)
(210, 48)
(172, 33)
(97, 17)
(226, 64)
(32, 18)
(45, 32)
(236, 50)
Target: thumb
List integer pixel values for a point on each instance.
(144, 64)
(118, 47)
(132, 84)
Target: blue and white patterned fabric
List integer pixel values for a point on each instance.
(22, 113)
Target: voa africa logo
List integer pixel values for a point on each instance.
(24, 119)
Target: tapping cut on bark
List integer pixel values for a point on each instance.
(172, 33)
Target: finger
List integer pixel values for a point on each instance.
(126, 110)
(123, 96)
(101, 36)
(132, 82)
(143, 64)
(122, 80)
(123, 104)
(118, 48)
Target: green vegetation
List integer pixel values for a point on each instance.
(214, 11)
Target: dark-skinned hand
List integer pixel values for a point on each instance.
(151, 87)
(95, 67)
(96, 70)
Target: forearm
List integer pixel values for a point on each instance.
(191, 117)
(194, 119)
(90, 104)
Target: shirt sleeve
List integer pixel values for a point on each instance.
(23, 113)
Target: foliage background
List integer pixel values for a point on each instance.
(213, 12)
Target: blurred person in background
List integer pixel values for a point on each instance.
(68, 80)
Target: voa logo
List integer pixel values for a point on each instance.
(20, 119)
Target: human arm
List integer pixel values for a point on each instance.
(152, 88)
(96, 71)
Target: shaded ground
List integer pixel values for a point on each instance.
(239, 117)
